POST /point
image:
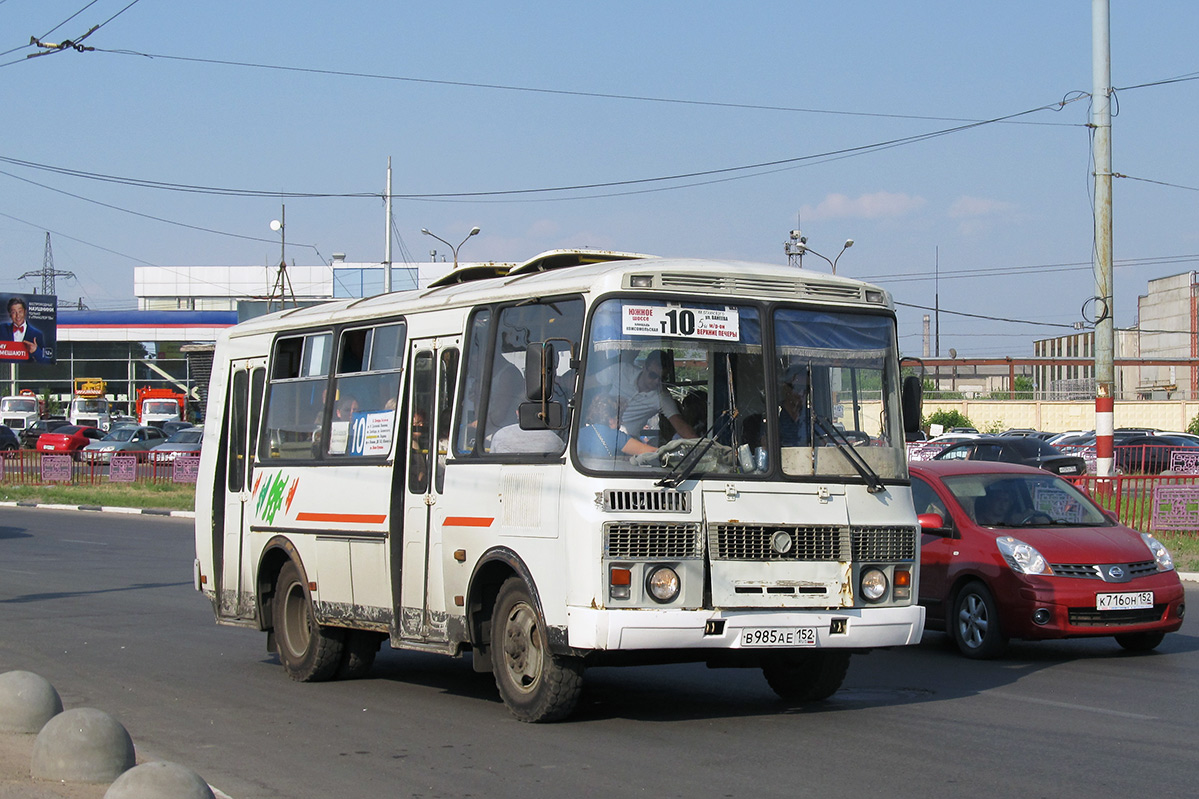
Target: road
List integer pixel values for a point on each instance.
(102, 605)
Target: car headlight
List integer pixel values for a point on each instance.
(1161, 555)
(874, 585)
(1022, 557)
(662, 584)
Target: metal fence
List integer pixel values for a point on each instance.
(31, 467)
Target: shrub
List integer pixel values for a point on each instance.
(947, 419)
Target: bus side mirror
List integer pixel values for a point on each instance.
(539, 377)
(541, 416)
(911, 401)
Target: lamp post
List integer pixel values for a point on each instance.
(473, 232)
(803, 249)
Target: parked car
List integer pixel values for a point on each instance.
(173, 427)
(1009, 551)
(31, 434)
(1016, 449)
(8, 439)
(70, 438)
(126, 438)
(1150, 454)
(183, 442)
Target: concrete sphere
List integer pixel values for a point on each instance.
(82, 745)
(159, 780)
(27, 702)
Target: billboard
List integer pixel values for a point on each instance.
(29, 328)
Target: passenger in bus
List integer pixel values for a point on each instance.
(602, 438)
(642, 396)
(794, 420)
(512, 438)
(346, 408)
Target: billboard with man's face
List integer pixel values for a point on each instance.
(29, 328)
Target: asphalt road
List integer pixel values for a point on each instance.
(102, 605)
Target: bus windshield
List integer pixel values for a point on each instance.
(819, 397)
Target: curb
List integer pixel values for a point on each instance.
(183, 514)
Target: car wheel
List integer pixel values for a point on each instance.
(535, 684)
(307, 651)
(805, 676)
(1140, 642)
(975, 623)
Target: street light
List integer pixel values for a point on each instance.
(804, 249)
(473, 232)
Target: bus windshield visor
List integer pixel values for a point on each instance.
(696, 388)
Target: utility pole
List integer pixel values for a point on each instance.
(1105, 330)
(387, 246)
(48, 272)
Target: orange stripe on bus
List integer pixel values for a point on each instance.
(468, 521)
(353, 518)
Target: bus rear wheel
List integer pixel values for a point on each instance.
(535, 684)
(805, 676)
(307, 651)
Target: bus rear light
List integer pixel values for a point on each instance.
(619, 583)
(903, 584)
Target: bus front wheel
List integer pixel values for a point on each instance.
(534, 683)
(805, 676)
(308, 651)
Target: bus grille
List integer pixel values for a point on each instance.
(763, 542)
(618, 500)
(884, 543)
(640, 540)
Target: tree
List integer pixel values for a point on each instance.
(947, 419)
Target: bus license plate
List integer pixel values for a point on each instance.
(778, 636)
(1130, 601)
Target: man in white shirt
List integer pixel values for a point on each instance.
(642, 396)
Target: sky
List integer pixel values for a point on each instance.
(949, 140)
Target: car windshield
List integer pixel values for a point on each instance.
(1017, 500)
(191, 435)
(121, 434)
(819, 399)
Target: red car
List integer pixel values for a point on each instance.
(1012, 551)
(69, 438)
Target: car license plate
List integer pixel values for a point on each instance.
(778, 636)
(1130, 601)
(50, 447)
(1069, 470)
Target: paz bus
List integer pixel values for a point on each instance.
(590, 458)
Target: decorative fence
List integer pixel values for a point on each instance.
(1149, 503)
(31, 467)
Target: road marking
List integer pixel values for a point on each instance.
(1071, 706)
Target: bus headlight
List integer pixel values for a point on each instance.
(662, 583)
(874, 585)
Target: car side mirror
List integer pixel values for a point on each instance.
(934, 524)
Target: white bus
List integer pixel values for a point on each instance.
(585, 459)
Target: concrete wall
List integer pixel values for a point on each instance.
(1061, 416)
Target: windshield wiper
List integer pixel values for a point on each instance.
(687, 465)
(874, 483)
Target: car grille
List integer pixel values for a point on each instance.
(1093, 571)
(1090, 617)
(817, 542)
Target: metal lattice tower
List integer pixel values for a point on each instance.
(48, 272)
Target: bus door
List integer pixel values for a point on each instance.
(242, 413)
(432, 375)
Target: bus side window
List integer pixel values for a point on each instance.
(367, 381)
(478, 336)
(297, 396)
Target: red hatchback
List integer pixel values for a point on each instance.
(1011, 551)
(69, 438)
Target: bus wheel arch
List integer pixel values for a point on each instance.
(536, 684)
(307, 650)
(490, 574)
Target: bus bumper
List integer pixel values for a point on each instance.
(645, 629)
